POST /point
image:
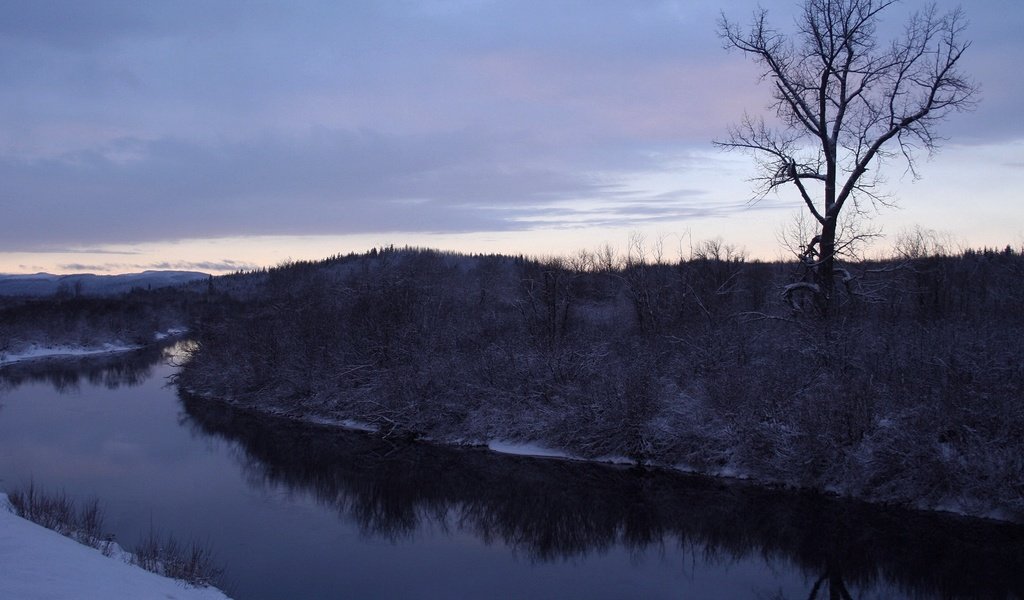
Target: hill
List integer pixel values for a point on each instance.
(45, 284)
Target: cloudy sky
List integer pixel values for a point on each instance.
(224, 135)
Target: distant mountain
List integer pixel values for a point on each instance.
(45, 284)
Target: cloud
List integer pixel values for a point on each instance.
(363, 117)
(85, 267)
(221, 266)
(205, 265)
(326, 182)
(82, 250)
(684, 205)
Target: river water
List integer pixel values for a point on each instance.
(303, 512)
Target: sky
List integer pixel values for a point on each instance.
(218, 136)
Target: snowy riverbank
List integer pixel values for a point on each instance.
(34, 352)
(40, 352)
(42, 564)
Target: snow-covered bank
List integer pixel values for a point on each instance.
(39, 352)
(527, 449)
(172, 332)
(39, 564)
(35, 352)
(538, 450)
(962, 505)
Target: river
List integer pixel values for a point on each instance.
(299, 511)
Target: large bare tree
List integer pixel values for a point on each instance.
(846, 102)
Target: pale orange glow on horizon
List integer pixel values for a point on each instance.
(967, 193)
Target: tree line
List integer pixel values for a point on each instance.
(83, 321)
(909, 393)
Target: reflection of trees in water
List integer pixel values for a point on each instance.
(555, 509)
(66, 374)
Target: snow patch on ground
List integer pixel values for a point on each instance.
(536, 450)
(39, 564)
(525, 449)
(615, 460)
(35, 352)
(38, 352)
(357, 425)
(351, 424)
(172, 332)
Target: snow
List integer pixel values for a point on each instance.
(525, 449)
(39, 564)
(535, 450)
(35, 352)
(350, 424)
(615, 460)
(173, 331)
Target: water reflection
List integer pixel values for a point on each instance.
(68, 374)
(552, 510)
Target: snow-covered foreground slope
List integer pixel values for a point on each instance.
(39, 564)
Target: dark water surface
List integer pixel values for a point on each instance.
(301, 512)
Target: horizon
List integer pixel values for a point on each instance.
(938, 246)
(298, 133)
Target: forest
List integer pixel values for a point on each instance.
(82, 321)
(908, 391)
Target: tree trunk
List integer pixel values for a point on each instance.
(825, 273)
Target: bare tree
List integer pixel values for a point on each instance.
(845, 104)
